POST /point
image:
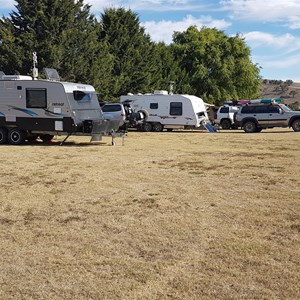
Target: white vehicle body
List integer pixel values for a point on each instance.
(225, 116)
(31, 108)
(163, 110)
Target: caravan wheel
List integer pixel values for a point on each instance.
(16, 136)
(147, 127)
(157, 127)
(3, 135)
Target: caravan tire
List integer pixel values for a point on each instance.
(46, 137)
(147, 127)
(3, 135)
(157, 127)
(16, 136)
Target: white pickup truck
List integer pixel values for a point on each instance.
(225, 116)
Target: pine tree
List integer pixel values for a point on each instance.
(131, 50)
(62, 32)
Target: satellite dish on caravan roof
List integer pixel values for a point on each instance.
(51, 74)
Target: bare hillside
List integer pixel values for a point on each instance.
(288, 91)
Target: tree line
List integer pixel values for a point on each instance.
(115, 54)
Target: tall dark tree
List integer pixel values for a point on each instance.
(62, 32)
(168, 70)
(219, 67)
(131, 50)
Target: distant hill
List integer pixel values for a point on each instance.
(288, 91)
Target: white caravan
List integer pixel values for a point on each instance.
(31, 108)
(170, 111)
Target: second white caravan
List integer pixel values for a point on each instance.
(167, 111)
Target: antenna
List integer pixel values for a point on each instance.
(171, 87)
(35, 71)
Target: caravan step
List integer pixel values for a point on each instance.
(210, 128)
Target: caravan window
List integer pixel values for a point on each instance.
(36, 98)
(176, 108)
(153, 105)
(81, 96)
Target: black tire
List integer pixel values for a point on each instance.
(145, 114)
(3, 135)
(16, 136)
(147, 127)
(46, 137)
(250, 127)
(225, 124)
(157, 127)
(296, 125)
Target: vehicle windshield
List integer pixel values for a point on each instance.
(284, 107)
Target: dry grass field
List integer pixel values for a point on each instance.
(180, 215)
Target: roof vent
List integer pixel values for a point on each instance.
(51, 74)
(160, 92)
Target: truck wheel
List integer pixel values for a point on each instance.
(3, 135)
(250, 127)
(147, 127)
(46, 137)
(16, 136)
(157, 127)
(296, 125)
(225, 124)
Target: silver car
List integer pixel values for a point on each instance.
(114, 112)
(253, 118)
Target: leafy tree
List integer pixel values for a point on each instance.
(131, 50)
(168, 70)
(117, 56)
(219, 67)
(62, 32)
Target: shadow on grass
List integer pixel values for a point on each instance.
(60, 144)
